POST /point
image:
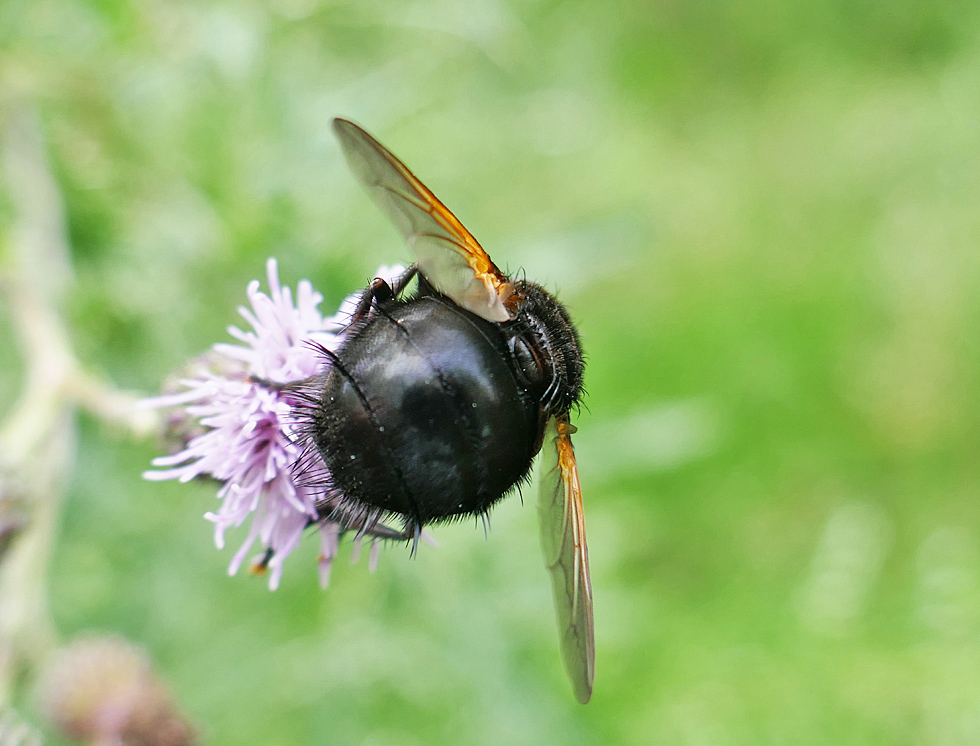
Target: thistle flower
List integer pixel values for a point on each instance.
(239, 431)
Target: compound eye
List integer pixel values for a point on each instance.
(529, 365)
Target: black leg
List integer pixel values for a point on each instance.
(260, 565)
(367, 524)
(401, 282)
(379, 290)
(363, 526)
(380, 531)
(412, 532)
(364, 522)
(275, 385)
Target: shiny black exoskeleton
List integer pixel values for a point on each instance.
(429, 413)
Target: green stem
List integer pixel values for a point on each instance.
(37, 440)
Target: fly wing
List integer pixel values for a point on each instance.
(566, 554)
(448, 256)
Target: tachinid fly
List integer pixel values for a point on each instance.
(437, 401)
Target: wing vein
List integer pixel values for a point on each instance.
(566, 555)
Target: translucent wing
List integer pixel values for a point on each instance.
(566, 554)
(448, 255)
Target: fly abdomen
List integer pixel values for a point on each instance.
(421, 414)
(472, 360)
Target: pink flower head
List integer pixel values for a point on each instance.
(247, 442)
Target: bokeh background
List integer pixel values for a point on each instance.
(765, 218)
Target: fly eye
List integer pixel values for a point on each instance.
(529, 366)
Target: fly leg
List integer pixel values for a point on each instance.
(376, 530)
(412, 532)
(401, 282)
(367, 523)
(379, 290)
(381, 531)
(276, 385)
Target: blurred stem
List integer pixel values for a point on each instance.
(37, 440)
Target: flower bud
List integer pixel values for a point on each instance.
(102, 690)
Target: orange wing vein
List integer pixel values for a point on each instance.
(449, 257)
(566, 554)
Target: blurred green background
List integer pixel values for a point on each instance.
(765, 218)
